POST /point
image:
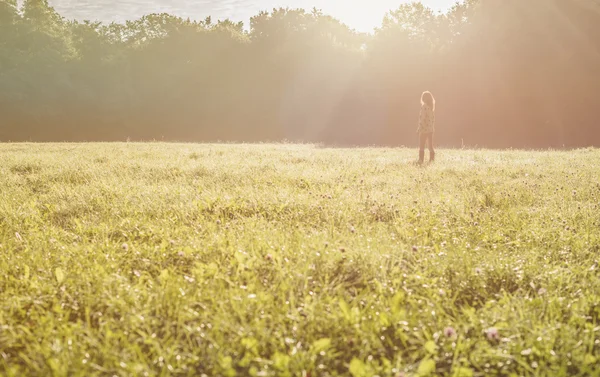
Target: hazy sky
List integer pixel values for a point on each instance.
(359, 14)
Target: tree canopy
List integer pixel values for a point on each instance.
(506, 73)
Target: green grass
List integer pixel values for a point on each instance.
(289, 260)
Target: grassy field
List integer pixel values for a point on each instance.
(290, 260)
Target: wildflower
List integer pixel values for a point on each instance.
(125, 247)
(449, 332)
(492, 334)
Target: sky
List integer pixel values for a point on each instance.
(362, 15)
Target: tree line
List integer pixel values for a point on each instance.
(508, 73)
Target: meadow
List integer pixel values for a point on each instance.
(156, 259)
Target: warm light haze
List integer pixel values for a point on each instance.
(299, 188)
(509, 73)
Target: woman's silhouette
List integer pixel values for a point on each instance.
(426, 126)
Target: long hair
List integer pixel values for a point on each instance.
(427, 98)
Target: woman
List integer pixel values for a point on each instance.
(426, 126)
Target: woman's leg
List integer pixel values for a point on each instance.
(422, 141)
(431, 150)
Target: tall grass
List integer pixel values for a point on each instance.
(294, 260)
